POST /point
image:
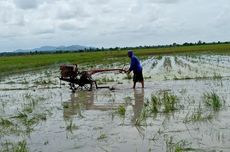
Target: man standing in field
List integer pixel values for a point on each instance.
(136, 67)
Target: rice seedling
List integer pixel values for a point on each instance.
(121, 110)
(27, 110)
(119, 82)
(44, 82)
(99, 82)
(175, 58)
(198, 115)
(46, 142)
(213, 101)
(47, 73)
(128, 99)
(169, 102)
(71, 126)
(179, 146)
(20, 115)
(41, 116)
(167, 64)
(21, 146)
(3, 105)
(24, 81)
(154, 64)
(5, 123)
(28, 119)
(142, 118)
(158, 57)
(102, 136)
(33, 102)
(147, 77)
(128, 76)
(65, 105)
(105, 79)
(176, 78)
(217, 76)
(10, 82)
(28, 96)
(155, 104)
(162, 103)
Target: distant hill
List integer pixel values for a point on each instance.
(54, 48)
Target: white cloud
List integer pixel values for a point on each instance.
(111, 23)
(26, 4)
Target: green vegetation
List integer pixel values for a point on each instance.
(142, 118)
(198, 116)
(165, 103)
(21, 146)
(14, 64)
(179, 146)
(128, 76)
(217, 76)
(71, 126)
(102, 136)
(44, 82)
(5, 123)
(213, 101)
(210, 100)
(105, 80)
(167, 64)
(121, 110)
(158, 57)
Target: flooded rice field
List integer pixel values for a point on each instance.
(183, 107)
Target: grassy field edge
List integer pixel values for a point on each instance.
(23, 63)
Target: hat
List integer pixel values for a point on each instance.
(130, 53)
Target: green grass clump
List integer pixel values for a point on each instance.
(21, 146)
(121, 110)
(21, 115)
(165, 103)
(155, 104)
(5, 123)
(169, 102)
(198, 115)
(213, 101)
(179, 146)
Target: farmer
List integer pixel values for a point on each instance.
(136, 67)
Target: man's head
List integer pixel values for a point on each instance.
(130, 53)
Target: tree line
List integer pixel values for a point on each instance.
(113, 48)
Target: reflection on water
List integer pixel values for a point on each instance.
(138, 104)
(96, 100)
(89, 100)
(78, 102)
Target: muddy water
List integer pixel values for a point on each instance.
(89, 121)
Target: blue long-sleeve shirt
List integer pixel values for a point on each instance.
(135, 64)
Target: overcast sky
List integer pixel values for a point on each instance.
(109, 23)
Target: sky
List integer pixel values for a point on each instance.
(26, 24)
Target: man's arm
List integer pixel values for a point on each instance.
(132, 65)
